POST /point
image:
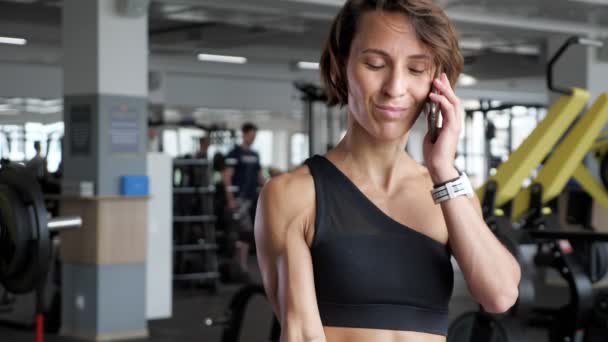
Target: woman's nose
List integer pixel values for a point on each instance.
(395, 85)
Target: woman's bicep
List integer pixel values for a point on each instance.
(296, 290)
(287, 272)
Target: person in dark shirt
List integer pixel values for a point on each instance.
(37, 165)
(244, 172)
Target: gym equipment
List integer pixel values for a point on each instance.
(533, 150)
(566, 161)
(194, 223)
(232, 320)
(312, 94)
(534, 223)
(490, 114)
(25, 244)
(601, 153)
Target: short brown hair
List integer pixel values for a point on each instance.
(430, 22)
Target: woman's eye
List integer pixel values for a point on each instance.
(417, 71)
(374, 66)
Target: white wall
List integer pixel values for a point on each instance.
(159, 260)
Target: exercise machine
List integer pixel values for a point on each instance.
(25, 243)
(520, 217)
(235, 315)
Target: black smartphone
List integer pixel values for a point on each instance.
(433, 113)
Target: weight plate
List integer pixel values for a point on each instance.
(461, 329)
(15, 233)
(37, 250)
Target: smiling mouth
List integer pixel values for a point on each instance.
(391, 108)
(391, 112)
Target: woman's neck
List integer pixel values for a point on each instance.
(363, 156)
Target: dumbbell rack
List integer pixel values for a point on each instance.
(194, 228)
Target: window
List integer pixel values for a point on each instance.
(170, 143)
(188, 140)
(54, 134)
(263, 145)
(299, 148)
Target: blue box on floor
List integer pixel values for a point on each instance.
(134, 185)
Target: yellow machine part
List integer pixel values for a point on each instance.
(567, 157)
(511, 174)
(588, 182)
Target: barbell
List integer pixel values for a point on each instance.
(25, 243)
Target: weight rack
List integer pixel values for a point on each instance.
(195, 250)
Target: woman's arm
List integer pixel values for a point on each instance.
(285, 209)
(492, 273)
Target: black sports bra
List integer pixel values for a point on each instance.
(371, 271)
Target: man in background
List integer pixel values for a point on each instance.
(244, 171)
(37, 165)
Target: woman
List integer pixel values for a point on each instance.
(352, 246)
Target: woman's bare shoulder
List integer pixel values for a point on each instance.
(294, 185)
(290, 198)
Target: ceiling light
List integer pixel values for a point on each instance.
(471, 44)
(308, 65)
(593, 2)
(13, 41)
(466, 80)
(221, 59)
(523, 49)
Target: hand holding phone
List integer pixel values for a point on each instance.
(433, 114)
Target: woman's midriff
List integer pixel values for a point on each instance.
(335, 334)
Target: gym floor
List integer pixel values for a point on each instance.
(192, 305)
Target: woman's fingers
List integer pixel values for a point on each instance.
(443, 85)
(448, 111)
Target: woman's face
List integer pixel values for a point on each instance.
(389, 75)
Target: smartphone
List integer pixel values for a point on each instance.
(433, 113)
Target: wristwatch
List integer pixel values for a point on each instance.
(460, 186)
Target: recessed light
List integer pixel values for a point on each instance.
(221, 58)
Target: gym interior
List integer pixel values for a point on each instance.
(128, 111)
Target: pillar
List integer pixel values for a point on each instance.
(105, 59)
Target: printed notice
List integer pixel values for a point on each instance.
(124, 130)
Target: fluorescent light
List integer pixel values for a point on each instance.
(593, 2)
(471, 44)
(466, 80)
(221, 59)
(13, 41)
(518, 49)
(308, 65)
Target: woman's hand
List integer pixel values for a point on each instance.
(439, 157)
